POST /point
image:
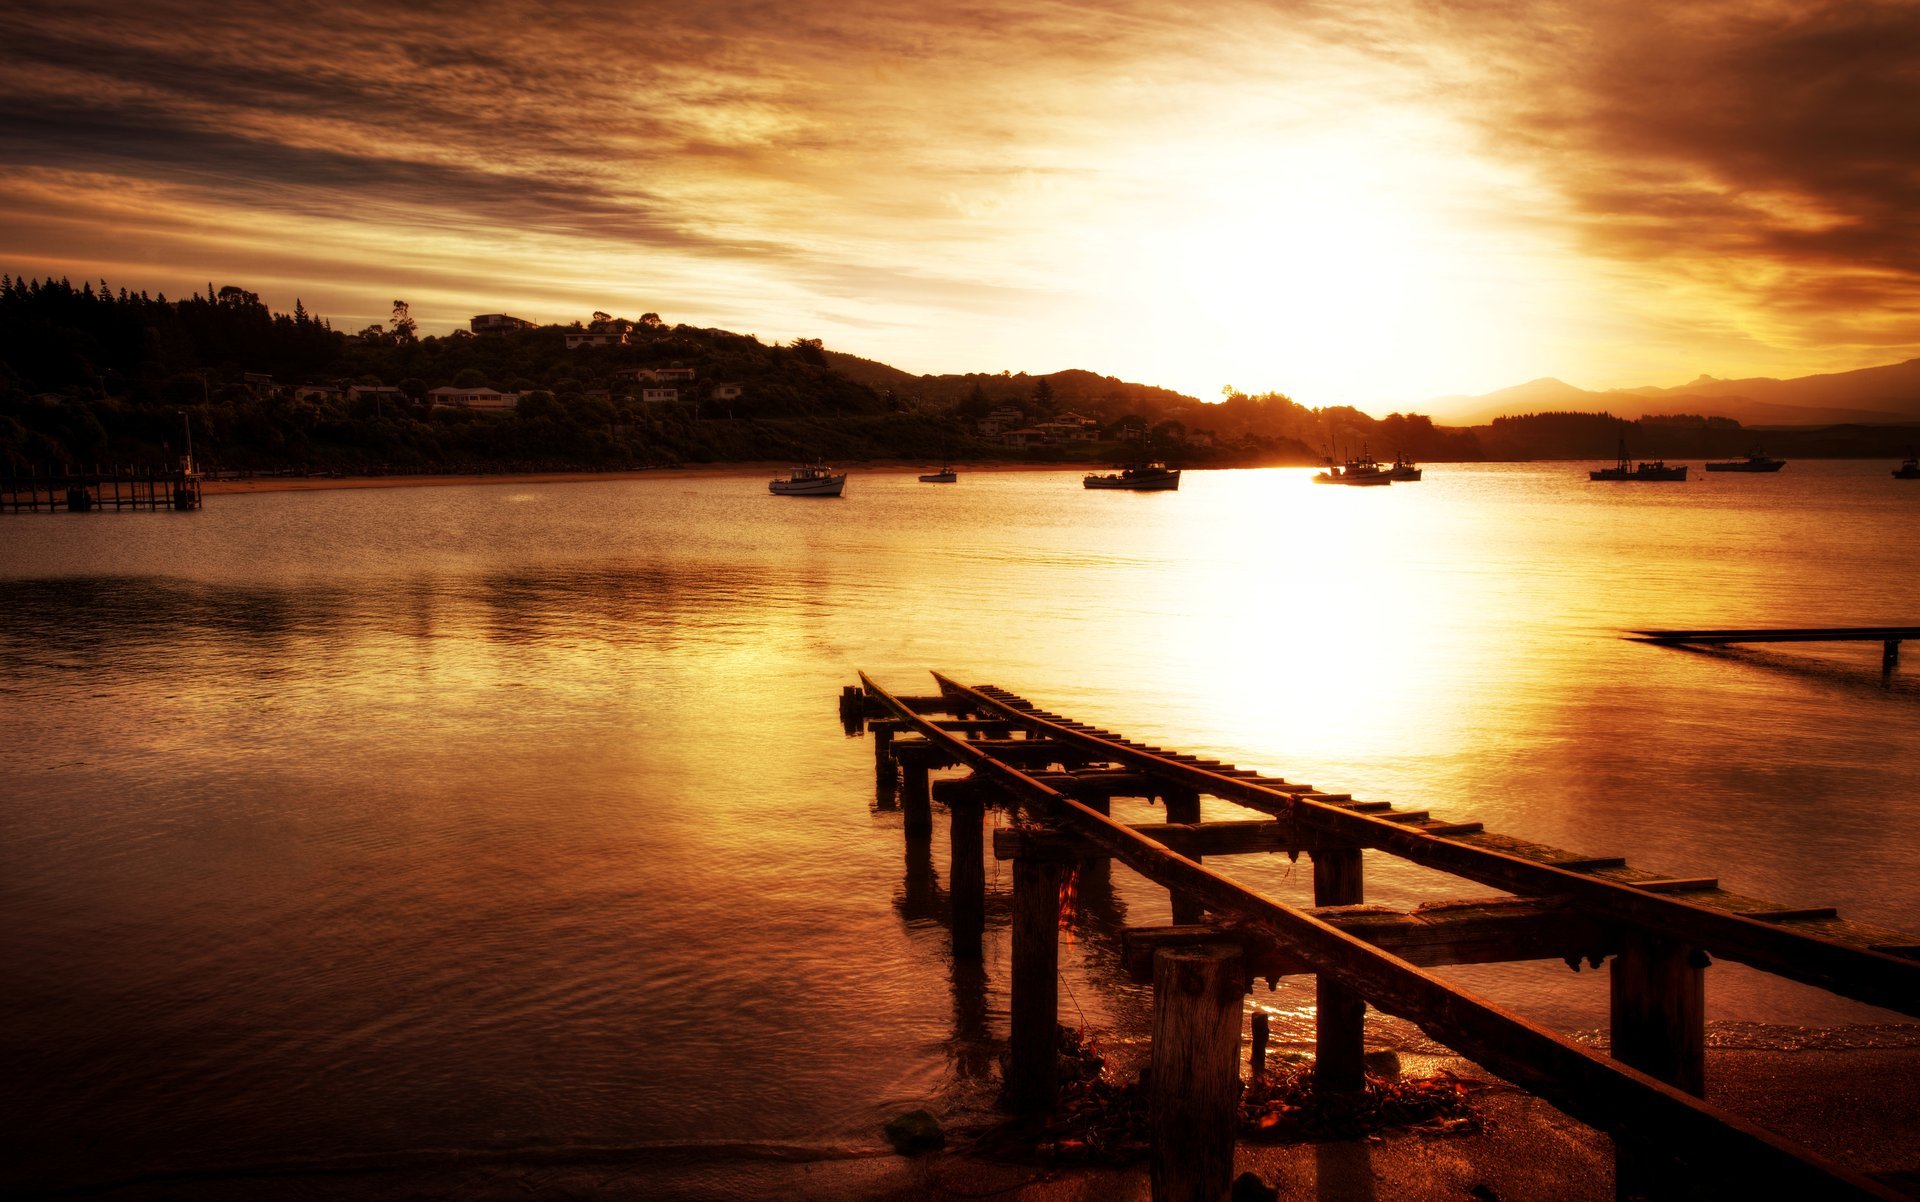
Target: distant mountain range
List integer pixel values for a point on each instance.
(1871, 395)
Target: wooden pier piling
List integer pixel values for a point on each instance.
(1340, 1013)
(1182, 805)
(1193, 1086)
(967, 876)
(1034, 1002)
(916, 803)
(1657, 1023)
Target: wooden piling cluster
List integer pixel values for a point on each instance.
(74, 490)
(1660, 930)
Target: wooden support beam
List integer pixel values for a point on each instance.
(997, 726)
(1340, 1012)
(1034, 1000)
(968, 879)
(1023, 752)
(1228, 838)
(1494, 930)
(1193, 1089)
(919, 705)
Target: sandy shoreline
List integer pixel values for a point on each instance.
(768, 470)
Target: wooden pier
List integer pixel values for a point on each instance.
(1889, 638)
(1660, 930)
(73, 490)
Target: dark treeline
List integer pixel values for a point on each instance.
(89, 375)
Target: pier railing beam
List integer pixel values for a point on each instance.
(1035, 990)
(1658, 1025)
(1340, 1014)
(1193, 1089)
(968, 877)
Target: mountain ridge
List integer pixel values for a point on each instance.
(1889, 393)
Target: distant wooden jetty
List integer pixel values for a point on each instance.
(1660, 930)
(72, 490)
(1889, 637)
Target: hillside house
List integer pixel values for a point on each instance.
(474, 398)
(498, 323)
(666, 395)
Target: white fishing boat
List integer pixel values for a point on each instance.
(812, 480)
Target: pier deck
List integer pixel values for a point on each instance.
(1661, 931)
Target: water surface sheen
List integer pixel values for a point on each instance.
(366, 822)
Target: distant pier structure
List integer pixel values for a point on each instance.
(76, 490)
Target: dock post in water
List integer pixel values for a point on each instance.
(1193, 1089)
(915, 799)
(1183, 805)
(1034, 1037)
(1889, 656)
(1657, 1024)
(1340, 1014)
(967, 875)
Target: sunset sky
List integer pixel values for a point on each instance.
(1365, 202)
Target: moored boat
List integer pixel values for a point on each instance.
(1141, 477)
(1628, 470)
(811, 480)
(1754, 462)
(1361, 471)
(946, 475)
(1404, 469)
(1347, 475)
(1909, 468)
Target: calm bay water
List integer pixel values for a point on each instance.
(369, 822)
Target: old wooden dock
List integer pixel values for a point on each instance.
(1659, 930)
(73, 490)
(1889, 638)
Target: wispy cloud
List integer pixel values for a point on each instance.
(1495, 187)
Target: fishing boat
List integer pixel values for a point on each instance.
(1909, 468)
(1404, 469)
(1628, 470)
(812, 480)
(946, 475)
(1363, 470)
(1140, 477)
(1348, 475)
(1754, 462)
